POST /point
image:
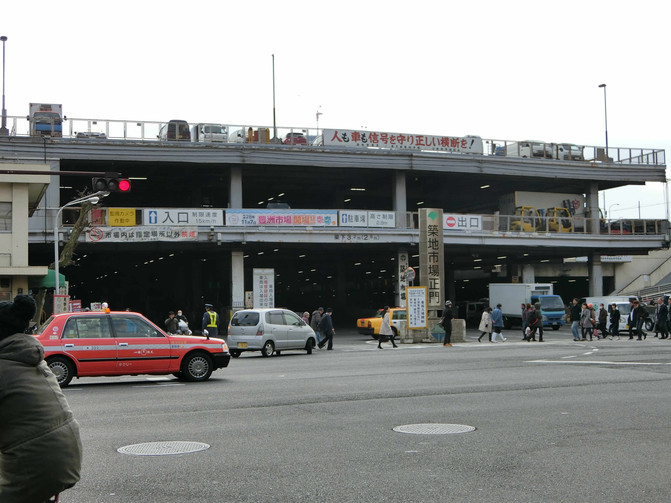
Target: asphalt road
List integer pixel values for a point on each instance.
(557, 421)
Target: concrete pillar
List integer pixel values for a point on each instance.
(400, 200)
(235, 196)
(592, 210)
(237, 279)
(595, 275)
(528, 274)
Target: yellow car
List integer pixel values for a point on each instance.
(371, 326)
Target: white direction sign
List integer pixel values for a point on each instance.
(182, 216)
(264, 288)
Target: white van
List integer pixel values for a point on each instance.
(209, 133)
(238, 136)
(622, 303)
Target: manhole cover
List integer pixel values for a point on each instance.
(163, 448)
(434, 429)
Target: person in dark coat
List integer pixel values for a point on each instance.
(602, 321)
(326, 326)
(535, 323)
(171, 323)
(446, 323)
(40, 447)
(614, 321)
(661, 319)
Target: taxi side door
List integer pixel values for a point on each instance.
(89, 341)
(141, 347)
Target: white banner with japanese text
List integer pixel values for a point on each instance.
(264, 288)
(140, 234)
(377, 139)
(282, 218)
(417, 307)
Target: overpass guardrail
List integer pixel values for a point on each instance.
(87, 130)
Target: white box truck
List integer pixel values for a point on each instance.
(46, 119)
(209, 133)
(511, 296)
(530, 148)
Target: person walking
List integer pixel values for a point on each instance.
(534, 322)
(210, 323)
(641, 315)
(614, 321)
(575, 319)
(326, 326)
(602, 321)
(386, 332)
(631, 319)
(486, 324)
(315, 321)
(446, 323)
(497, 323)
(525, 318)
(40, 446)
(661, 317)
(171, 323)
(586, 321)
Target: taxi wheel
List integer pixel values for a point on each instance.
(197, 367)
(62, 369)
(393, 329)
(234, 353)
(268, 349)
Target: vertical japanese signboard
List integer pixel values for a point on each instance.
(264, 288)
(431, 262)
(400, 274)
(417, 311)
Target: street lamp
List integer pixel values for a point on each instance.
(605, 113)
(3, 129)
(609, 209)
(93, 199)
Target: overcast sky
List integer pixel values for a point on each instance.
(509, 70)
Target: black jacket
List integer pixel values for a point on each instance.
(575, 312)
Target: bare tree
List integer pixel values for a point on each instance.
(65, 258)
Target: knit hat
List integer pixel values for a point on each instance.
(15, 316)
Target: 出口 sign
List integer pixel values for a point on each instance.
(460, 222)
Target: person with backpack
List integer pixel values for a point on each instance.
(326, 327)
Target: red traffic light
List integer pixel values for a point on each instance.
(124, 185)
(109, 184)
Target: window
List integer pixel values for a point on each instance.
(88, 327)
(133, 327)
(5, 217)
(399, 315)
(292, 319)
(275, 318)
(245, 319)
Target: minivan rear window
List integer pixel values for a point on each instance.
(247, 319)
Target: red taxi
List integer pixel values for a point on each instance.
(92, 344)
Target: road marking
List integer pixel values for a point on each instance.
(572, 356)
(157, 385)
(596, 362)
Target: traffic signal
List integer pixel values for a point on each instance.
(111, 184)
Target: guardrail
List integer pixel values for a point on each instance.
(113, 129)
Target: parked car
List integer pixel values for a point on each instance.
(175, 130)
(270, 330)
(92, 134)
(371, 326)
(295, 139)
(94, 344)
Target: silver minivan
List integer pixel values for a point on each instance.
(270, 331)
